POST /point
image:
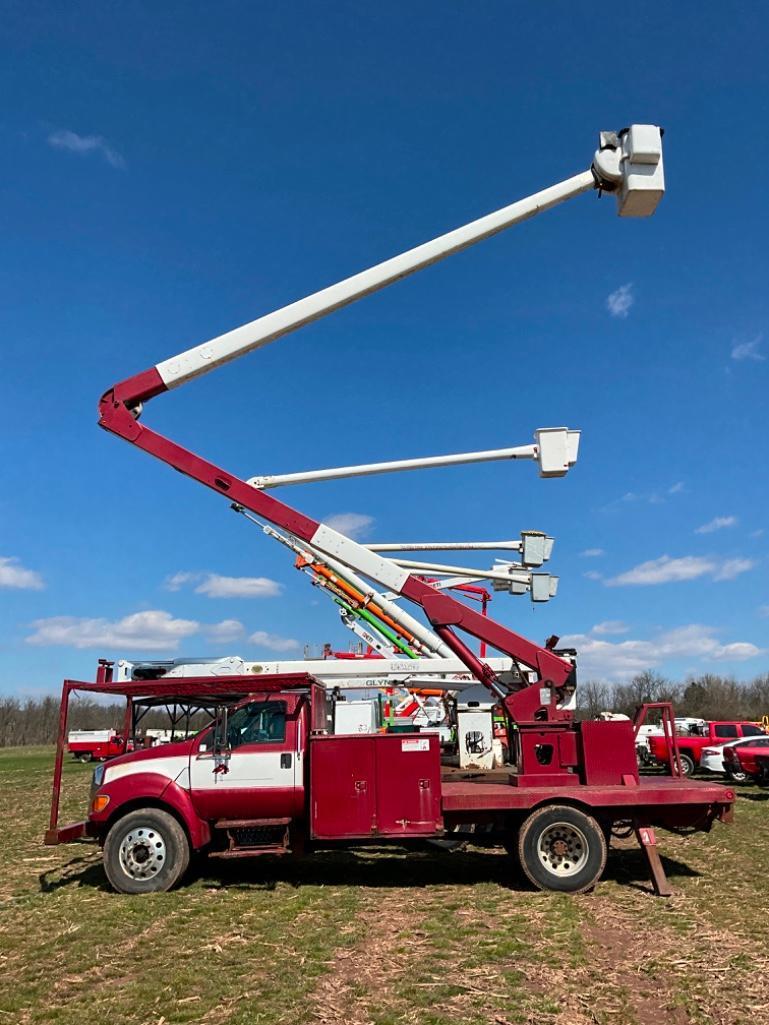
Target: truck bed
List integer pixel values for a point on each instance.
(659, 800)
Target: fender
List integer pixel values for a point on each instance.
(156, 789)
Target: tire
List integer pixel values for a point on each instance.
(736, 777)
(687, 764)
(85, 757)
(146, 851)
(562, 849)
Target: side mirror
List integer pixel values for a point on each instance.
(221, 745)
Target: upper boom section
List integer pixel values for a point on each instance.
(628, 163)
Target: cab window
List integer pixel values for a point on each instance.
(752, 731)
(258, 722)
(726, 730)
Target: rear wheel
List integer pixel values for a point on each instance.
(147, 851)
(561, 848)
(85, 756)
(736, 777)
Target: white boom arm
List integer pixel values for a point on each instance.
(628, 163)
(556, 452)
(363, 672)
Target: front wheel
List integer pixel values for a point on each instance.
(147, 851)
(561, 848)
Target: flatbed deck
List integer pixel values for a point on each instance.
(653, 800)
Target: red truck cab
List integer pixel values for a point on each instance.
(691, 746)
(258, 775)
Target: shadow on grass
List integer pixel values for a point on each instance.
(370, 867)
(83, 871)
(375, 867)
(382, 868)
(756, 795)
(629, 868)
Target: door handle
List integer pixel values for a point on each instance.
(285, 761)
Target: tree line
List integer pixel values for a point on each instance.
(36, 720)
(701, 697)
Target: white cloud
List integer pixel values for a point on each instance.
(227, 630)
(619, 302)
(617, 660)
(652, 497)
(732, 568)
(354, 525)
(739, 651)
(688, 567)
(153, 630)
(214, 585)
(592, 553)
(273, 641)
(717, 523)
(763, 610)
(609, 627)
(677, 488)
(13, 574)
(757, 533)
(748, 350)
(178, 580)
(592, 574)
(65, 139)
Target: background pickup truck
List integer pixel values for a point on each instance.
(690, 746)
(95, 745)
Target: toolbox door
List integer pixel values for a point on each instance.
(342, 787)
(408, 777)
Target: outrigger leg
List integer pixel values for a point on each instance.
(647, 840)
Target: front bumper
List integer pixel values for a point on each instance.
(72, 831)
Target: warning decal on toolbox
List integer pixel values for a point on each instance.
(422, 744)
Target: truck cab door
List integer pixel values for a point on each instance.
(259, 773)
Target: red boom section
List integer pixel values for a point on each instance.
(118, 413)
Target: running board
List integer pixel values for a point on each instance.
(252, 837)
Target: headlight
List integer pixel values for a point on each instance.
(98, 775)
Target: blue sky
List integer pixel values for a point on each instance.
(172, 171)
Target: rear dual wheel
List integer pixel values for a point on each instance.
(562, 849)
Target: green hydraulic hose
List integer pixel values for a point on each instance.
(391, 636)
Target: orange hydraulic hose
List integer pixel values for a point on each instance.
(358, 596)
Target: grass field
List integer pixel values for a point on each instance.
(379, 937)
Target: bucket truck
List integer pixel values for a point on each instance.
(268, 775)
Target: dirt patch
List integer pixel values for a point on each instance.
(619, 952)
(671, 966)
(390, 936)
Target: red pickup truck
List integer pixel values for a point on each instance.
(690, 746)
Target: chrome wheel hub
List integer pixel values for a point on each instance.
(562, 849)
(142, 852)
